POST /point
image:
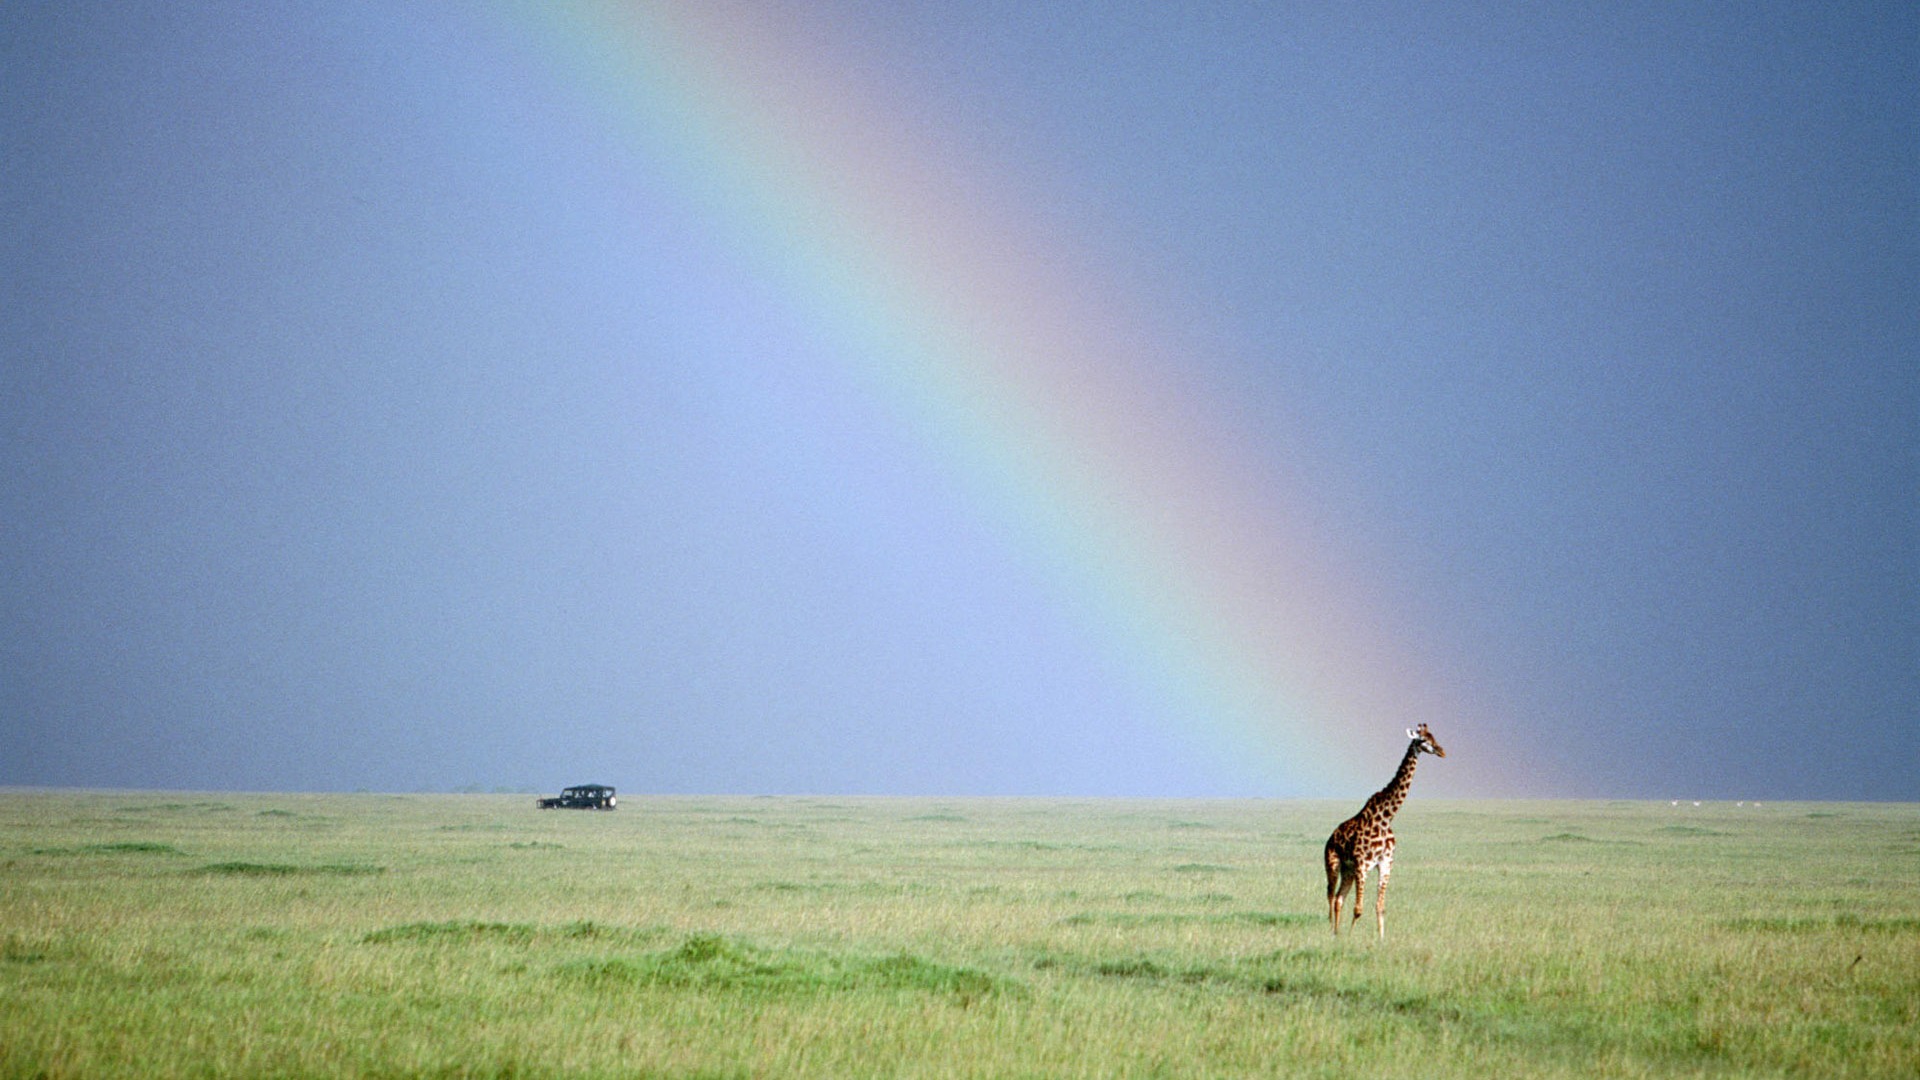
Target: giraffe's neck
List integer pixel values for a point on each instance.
(1386, 802)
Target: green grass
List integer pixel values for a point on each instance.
(472, 935)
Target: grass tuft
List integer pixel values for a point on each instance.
(19, 950)
(1820, 924)
(254, 869)
(1131, 967)
(123, 847)
(904, 971)
(134, 847)
(717, 964)
(456, 932)
(1185, 918)
(467, 931)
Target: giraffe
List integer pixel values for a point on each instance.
(1364, 840)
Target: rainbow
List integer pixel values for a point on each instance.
(1055, 403)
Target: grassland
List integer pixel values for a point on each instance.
(470, 935)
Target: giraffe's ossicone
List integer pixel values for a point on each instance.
(1365, 840)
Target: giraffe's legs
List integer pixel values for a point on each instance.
(1380, 900)
(1349, 880)
(1336, 888)
(1360, 892)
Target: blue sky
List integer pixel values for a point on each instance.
(381, 412)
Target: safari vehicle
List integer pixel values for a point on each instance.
(584, 797)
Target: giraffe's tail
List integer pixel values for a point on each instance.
(1337, 884)
(1333, 871)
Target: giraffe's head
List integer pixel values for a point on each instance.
(1425, 741)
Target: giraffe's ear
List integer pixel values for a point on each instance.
(1412, 734)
